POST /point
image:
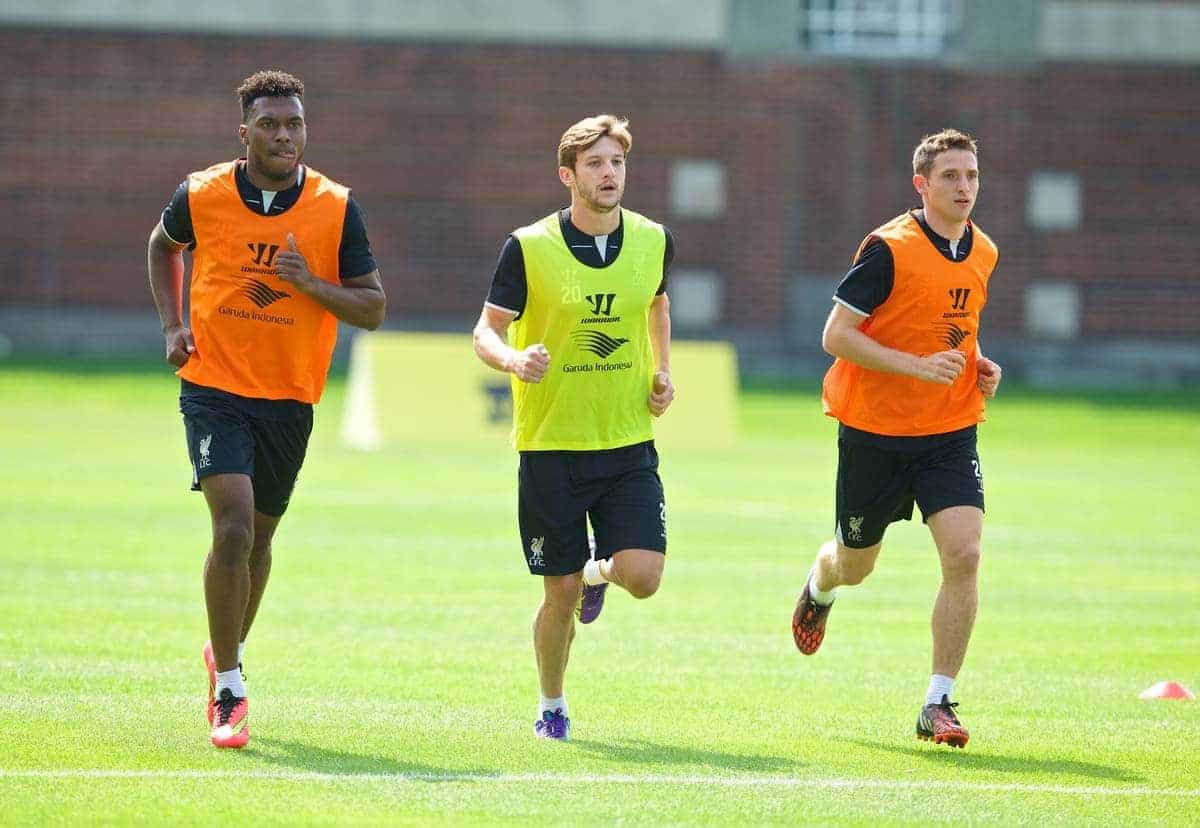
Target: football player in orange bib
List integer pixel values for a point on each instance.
(907, 388)
(279, 255)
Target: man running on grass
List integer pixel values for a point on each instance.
(584, 294)
(279, 255)
(908, 389)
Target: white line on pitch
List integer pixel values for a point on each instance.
(568, 779)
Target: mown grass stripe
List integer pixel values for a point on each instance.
(568, 779)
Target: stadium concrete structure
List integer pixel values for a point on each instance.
(769, 135)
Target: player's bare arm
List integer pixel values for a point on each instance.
(359, 301)
(164, 261)
(842, 338)
(988, 374)
(659, 325)
(491, 331)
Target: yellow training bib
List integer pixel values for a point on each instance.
(594, 323)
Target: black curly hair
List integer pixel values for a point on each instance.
(268, 83)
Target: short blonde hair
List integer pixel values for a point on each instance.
(583, 134)
(932, 146)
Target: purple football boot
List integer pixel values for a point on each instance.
(591, 600)
(552, 725)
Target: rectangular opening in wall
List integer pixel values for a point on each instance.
(879, 28)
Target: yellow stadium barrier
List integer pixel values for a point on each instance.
(430, 389)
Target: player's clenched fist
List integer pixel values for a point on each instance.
(989, 376)
(942, 367)
(531, 364)
(661, 394)
(180, 345)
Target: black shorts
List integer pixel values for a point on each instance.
(879, 478)
(264, 439)
(619, 490)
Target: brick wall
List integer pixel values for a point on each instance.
(449, 148)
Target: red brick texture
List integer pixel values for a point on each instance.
(448, 147)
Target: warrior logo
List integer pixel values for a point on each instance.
(257, 250)
(602, 303)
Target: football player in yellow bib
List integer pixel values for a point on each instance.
(578, 315)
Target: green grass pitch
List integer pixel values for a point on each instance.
(391, 672)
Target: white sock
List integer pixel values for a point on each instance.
(241, 647)
(939, 686)
(553, 704)
(822, 597)
(592, 575)
(233, 680)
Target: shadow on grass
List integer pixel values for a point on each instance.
(639, 751)
(1003, 764)
(306, 757)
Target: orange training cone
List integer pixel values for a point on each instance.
(1167, 690)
